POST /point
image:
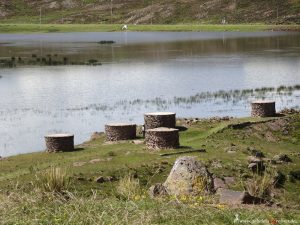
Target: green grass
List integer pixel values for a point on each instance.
(87, 202)
(48, 28)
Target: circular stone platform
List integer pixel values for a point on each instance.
(263, 109)
(120, 131)
(159, 119)
(162, 138)
(59, 142)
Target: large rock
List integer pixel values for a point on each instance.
(189, 177)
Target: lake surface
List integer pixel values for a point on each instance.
(193, 74)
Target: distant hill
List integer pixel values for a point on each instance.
(148, 11)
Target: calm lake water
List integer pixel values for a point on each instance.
(182, 72)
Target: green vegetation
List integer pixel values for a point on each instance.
(48, 28)
(106, 183)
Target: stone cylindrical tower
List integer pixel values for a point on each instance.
(120, 131)
(59, 142)
(159, 119)
(263, 109)
(162, 138)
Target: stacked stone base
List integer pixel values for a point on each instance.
(60, 142)
(263, 109)
(120, 132)
(162, 138)
(159, 119)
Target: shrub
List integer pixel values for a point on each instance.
(261, 186)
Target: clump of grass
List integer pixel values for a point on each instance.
(129, 187)
(54, 179)
(261, 186)
(200, 185)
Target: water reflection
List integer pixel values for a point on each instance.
(194, 75)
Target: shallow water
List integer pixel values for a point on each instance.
(141, 72)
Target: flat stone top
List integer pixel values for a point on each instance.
(263, 102)
(162, 129)
(59, 135)
(120, 124)
(160, 114)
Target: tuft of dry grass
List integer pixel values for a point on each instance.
(54, 179)
(129, 187)
(261, 186)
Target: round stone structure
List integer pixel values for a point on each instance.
(120, 131)
(263, 108)
(59, 142)
(162, 138)
(159, 119)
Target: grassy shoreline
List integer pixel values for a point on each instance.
(49, 28)
(228, 143)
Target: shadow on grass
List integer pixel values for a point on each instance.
(181, 128)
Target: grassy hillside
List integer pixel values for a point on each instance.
(150, 11)
(97, 190)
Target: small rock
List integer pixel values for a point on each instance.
(253, 159)
(231, 152)
(157, 190)
(164, 162)
(100, 179)
(285, 132)
(281, 158)
(138, 142)
(229, 180)
(78, 164)
(237, 197)
(219, 183)
(93, 161)
(110, 178)
(256, 153)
